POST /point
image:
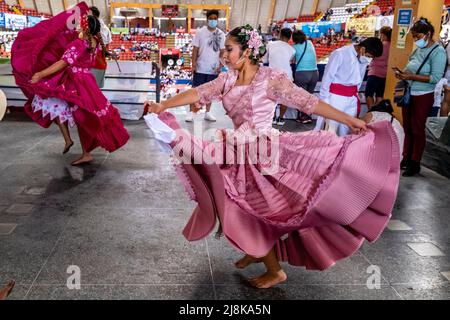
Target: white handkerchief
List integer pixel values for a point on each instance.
(162, 131)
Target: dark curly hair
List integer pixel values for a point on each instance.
(242, 39)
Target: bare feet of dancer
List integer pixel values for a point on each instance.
(274, 274)
(67, 147)
(6, 290)
(268, 279)
(85, 158)
(246, 261)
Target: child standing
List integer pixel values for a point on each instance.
(342, 79)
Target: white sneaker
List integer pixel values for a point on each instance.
(189, 117)
(280, 122)
(209, 117)
(274, 121)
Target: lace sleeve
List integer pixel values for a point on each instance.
(212, 90)
(72, 52)
(282, 90)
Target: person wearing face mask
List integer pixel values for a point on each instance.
(343, 76)
(312, 201)
(208, 47)
(376, 81)
(432, 58)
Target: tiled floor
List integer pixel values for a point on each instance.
(119, 222)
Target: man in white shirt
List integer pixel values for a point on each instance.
(209, 46)
(279, 55)
(99, 69)
(343, 76)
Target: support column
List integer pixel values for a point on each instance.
(150, 17)
(271, 11)
(399, 54)
(189, 20)
(228, 16)
(314, 6)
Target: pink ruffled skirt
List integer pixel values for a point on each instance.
(326, 197)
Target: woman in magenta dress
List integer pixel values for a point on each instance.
(51, 63)
(327, 193)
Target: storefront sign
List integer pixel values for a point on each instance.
(364, 26)
(169, 11)
(15, 21)
(404, 17)
(384, 21)
(2, 20)
(318, 29)
(32, 21)
(120, 30)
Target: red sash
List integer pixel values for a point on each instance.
(346, 91)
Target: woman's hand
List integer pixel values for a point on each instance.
(406, 75)
(154, 107)
(356, 125)
(36, 78)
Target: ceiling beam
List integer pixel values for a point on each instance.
(257, 15)
(271, 11)
(286, 11)
(301, 8)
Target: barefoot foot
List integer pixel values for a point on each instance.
(268, 280)
(246, 261)
(84, 159)
(67, 147)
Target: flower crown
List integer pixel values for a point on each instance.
(254, 42)
(84, 22)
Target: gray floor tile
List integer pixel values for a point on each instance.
(446, 274)
(19, 208)
(436, 292)
(123, 292)
(426, 249)
(397, 225)
(119, 246)
(36, 191)
(7, 228)
(306, 292)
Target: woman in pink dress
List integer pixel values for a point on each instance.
(315, 199)
(51, 63)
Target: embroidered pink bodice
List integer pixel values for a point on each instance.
(255, 104)
(80, 60)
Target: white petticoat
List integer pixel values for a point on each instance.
(55, 107)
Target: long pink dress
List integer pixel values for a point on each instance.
(72, 94)
(326, 196)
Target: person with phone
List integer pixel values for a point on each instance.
(425, 68)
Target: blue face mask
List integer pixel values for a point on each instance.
(421, 43)
(212, 24)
